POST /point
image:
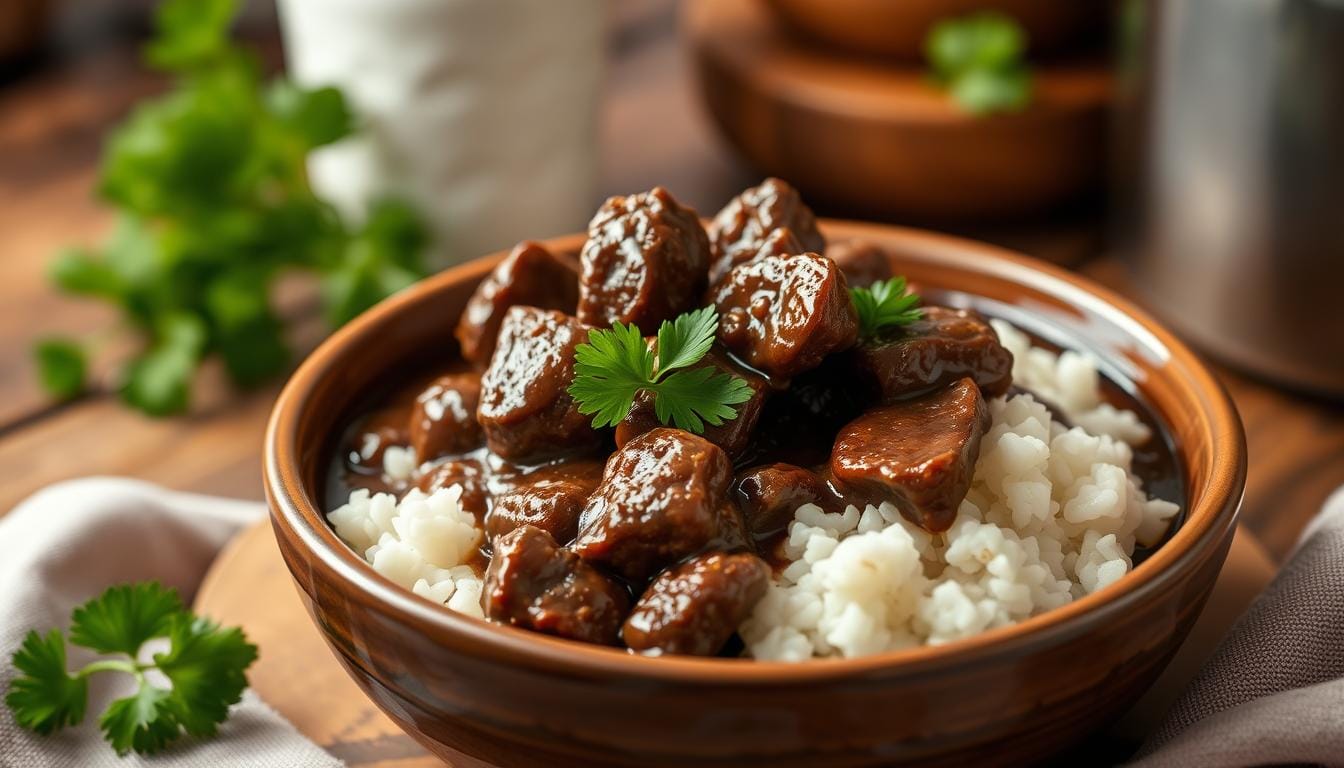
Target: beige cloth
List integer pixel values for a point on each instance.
(66, 544)
(1273, 692)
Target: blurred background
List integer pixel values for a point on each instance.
(1189, 153)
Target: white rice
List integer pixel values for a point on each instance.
(422, 542)
(1052, 514)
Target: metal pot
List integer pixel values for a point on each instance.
(1232, 147)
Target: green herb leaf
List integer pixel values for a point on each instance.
(318, 117)
(45, 697)
(159, 381)
(885, 304)
(61, 367)
(124, 617)
(143, 722)
(980, 60)
(191, 33)
(686, 339)
(615, 365)
(686, 398)
(205, 666)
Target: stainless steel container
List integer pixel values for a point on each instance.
(1232, 171)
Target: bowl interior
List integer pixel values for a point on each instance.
(414, 328)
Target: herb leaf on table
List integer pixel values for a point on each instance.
(205, 666)
(214, 204)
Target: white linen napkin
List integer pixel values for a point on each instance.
(69, 542)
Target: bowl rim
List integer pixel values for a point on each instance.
(294, 511)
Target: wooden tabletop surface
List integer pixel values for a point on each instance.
(54, 114)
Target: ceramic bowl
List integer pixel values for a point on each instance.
(898, 27)
(872, 139)
(481, 694)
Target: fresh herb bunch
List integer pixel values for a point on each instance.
(979, 59)
(616, 365)
(203, 667)
(214, 203)
(885, 304)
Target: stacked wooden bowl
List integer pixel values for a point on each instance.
(834, 96)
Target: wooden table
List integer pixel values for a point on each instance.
(654, 131)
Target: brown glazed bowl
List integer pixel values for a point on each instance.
(481, 694)
(898, 27)
(878, 140)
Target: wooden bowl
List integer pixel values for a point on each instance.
(898, 27)
(478, 693)
(881, 140)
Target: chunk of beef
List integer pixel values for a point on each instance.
(646, 260)
(798, 425)
(863, 262)
(526, 411)
(918, 454)
(535, 584)
(733, 435)
(693, 608)
(747, 221)
(768, 496)
(933, 352)
(529, 276)
(550, 498)
(663, 496)
(783, 315)
(470, 473)
(443, 417)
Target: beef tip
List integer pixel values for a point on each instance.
(530, 276)
(747, 221)
(863, 263)
(798, 425)
(469, 473)
(646, 260)
(443, 417)
(930, 353)
(733, 435)
(550, 498)
(783, 315)
(365, 447)
(533, 583)
(693, 608)
(663, 496)
(918, 454)
(769, 495)
(526, 411)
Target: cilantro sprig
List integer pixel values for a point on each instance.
(615, 365)
(204, 667)
(979, 58)
(213, 203)
(885, 304)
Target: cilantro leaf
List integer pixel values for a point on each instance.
(124, 617)
(686, 398)
(143, 722)
(45, 697)
(205, 664)
(61, 367)
(615, 365)
(979, 58)
(158, 381)
(885, 304)
(686, 339)
(317, 117)
(192, 33)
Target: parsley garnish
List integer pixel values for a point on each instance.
(616, 365)
(211, 189)
(204, 666)
(885, 304)
(979, 59)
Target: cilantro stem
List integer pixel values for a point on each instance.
(115, 665)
